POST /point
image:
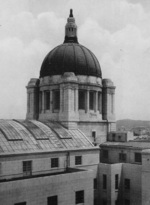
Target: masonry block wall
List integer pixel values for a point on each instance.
(36, 191)
(12, 167)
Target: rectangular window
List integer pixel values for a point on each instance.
(91, 100)
(79, 197)
(122, 157)
(78, 160)
(138, 157)
(95, 183)
(52, 200)
(94, 136)
(81, 99)
(47, 100)
(105, 154)
(56, 100)
(113, 137)
(20, 203)
(127, 202)
(116, 181)
(54, 162)
(104, 181)
(127, 184)
(27, 168)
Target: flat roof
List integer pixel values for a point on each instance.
(127, 145)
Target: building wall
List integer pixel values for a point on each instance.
(100, 128)
(145, 186)
(124, 171)
(35, 191)
(113, 154)
(120, 136)
(110, 194)
(134, 174)
(12, 167)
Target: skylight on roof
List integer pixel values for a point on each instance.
(9, 132)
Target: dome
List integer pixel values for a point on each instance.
(70, 56)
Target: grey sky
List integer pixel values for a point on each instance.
(117, 32)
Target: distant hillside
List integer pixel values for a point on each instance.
(129, 124)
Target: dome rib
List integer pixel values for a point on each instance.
(75, 58)
(70, 57)
(85, 60)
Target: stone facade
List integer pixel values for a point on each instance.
(96, 106)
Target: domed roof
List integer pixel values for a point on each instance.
(70, 56)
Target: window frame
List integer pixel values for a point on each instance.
(79, 197)
(116, 181)
(52, 200)
(47, 99)
(127, 184)
(138, 157)
(104, 181)
(27, 167)
(82, 99)
(56, 100)
(54, 162)
(105, 154)
(78, 160)
(95, 184)
(122, 157)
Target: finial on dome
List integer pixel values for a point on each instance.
(71, 13)
(71, 29)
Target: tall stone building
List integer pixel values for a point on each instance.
(52, 157)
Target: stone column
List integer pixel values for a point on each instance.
(33, 99)
(43, 102)
(95, 101)
(61, 100)
(87, 101)
(76, 100)
(100, 103)
(51, 100)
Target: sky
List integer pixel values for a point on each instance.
(116, 31)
